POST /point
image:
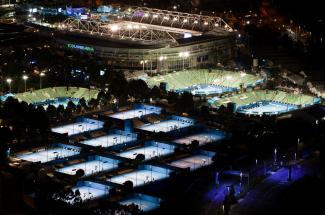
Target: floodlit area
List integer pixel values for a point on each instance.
(267, 102)
(206, 89)
(193, 162)
(203, 138)
(142, 176)
(79, 127)
(150, 151)
(110, 140)
(91, 167)
(55, 95)
(267, 108)
(44, 155)
(166, 126)
(56, 103)
(205, 82)
(88, 193)
(91, 190)
(143, 204)
(141, 110)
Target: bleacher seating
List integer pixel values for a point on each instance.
(189, 78)
(57, 92)
(267, 95)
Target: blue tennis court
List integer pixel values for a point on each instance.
(268, 108)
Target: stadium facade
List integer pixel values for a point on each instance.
(150, 39)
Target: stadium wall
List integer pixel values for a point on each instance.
(202, 53)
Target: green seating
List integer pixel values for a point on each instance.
(57, 92)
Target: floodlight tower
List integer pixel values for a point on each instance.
(25, 77)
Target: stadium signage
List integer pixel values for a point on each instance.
(81, 47)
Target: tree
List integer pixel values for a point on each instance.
(195, 144)
(138, 89)
(140, 157)
(172, 97)
(60, 110)
(128, 186)
(51, 111)
(71, 105)
(204, 111)
(83, 103)
(155, 92)
(80, 173)
(5, 138)
(117, 85)
(185, 103)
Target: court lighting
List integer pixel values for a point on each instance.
(9, 80)
(25, 77)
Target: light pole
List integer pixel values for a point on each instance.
(161, 59)
(42, 74)
(9, 80)
(275, 156)
(25, 77)
(143, 62)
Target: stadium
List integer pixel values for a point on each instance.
(56, 96)
(149, 39)
(206, 82)
(266, 102)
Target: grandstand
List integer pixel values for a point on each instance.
(57, 95)
(266, 102)
(205, 82)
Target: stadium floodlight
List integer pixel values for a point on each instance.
(25, 77)
(184, 54)
(161, 58)
(9, 80)
(42, 74)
